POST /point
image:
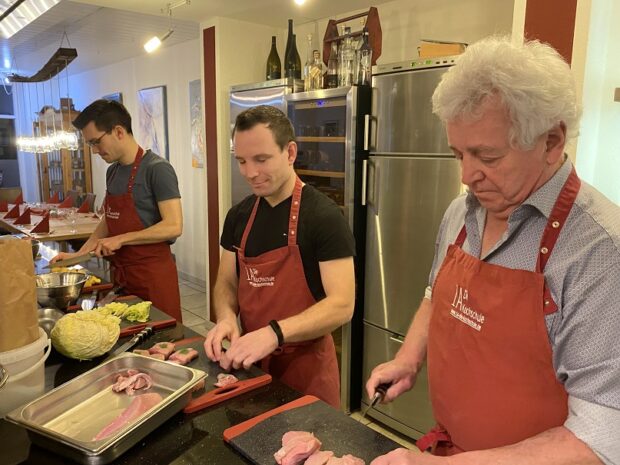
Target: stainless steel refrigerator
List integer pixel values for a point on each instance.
(246, 96)
(412, 177)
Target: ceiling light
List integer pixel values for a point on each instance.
(21, 13)
(300, 2)
(155, 42)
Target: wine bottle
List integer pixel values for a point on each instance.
(289, 40)
(364, 61)
(292, 62)
(331, 77)
(346, 60)
(274, 67)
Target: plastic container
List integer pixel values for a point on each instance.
(25, 367)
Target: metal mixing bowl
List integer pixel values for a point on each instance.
(48, 318)
(59, 290)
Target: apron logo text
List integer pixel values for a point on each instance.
(113, 215)
(258, 281)
(462, 312)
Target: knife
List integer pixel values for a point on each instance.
(71, 261)
(137, 339)
(379, 394)
(110, 296)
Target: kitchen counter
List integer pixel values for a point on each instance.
(184, 439)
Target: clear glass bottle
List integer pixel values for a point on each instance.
(274, 66)
(308, 64)
(315, 75)
(346, 60)
(364, 61)
(331, 76)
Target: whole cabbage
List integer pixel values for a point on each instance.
(85, 335)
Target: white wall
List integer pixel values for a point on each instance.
(599, 143)
(173, 67)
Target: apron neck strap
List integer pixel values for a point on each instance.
(134, 169)
(557, 219)
(293, 218)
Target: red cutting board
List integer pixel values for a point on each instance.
(260, 437)
(211, 395)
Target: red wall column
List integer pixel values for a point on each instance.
(553, 22)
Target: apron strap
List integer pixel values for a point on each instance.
(134, 169)
(460, 239)
(557, 218)
(293, 218)
(430, 439)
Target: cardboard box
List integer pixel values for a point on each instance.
(435, 49)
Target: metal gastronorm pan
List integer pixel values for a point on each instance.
(66, 419)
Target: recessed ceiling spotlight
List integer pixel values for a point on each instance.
(300, 2)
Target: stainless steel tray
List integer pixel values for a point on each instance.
(66, 419)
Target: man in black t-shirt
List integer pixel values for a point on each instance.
(287, 266)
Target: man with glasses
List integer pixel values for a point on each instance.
(142, 209)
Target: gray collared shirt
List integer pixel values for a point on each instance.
(583, 276)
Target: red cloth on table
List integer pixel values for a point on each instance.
(4, 206)
(54, 198)
(13, 213)
(24, 218)
(42, 226)
(84, 208)
(19, 199)
(67, 203)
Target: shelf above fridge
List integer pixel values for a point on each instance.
(322, 174)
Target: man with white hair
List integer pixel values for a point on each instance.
(520, 323)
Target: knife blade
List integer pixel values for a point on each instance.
(137, 339)
(71, 261)
(110, 296)
(379, 395)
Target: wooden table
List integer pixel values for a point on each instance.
(60, 228)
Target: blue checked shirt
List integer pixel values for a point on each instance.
(583, 275)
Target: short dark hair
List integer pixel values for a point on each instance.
(275, 119)
(106, 114)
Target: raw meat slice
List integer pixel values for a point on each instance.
(141, 352)
(183, 356)
(297, 446)
(224, 379)
(161, 357)
(345, 460)
(139, 405)
(131, 381)
(320, 457)
(165, 348)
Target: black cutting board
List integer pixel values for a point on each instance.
(259, 438)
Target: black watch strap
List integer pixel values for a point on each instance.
(276, 329)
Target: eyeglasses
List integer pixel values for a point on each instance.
(97, 141)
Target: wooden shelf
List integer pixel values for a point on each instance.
(332, 139)
(322, 174)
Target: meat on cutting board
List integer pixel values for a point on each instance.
(297, 446)
(345, 460)
(320, 457)
(224, 379)
(183, 356)
(164, 348)
(132, 380)
(138, 406)
(146, 353)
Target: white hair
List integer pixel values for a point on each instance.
(531, 79)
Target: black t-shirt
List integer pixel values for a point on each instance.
(322, 233)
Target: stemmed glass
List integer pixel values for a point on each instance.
(100, 210)
(72, 218)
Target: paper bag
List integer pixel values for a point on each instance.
(19, 323)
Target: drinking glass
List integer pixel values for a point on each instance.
(72, 218)
(100, 210)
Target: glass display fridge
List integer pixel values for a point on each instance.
(331, 127)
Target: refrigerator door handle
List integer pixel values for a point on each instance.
(397, 339)
(372, 173)
(364, 181)
(367, 121)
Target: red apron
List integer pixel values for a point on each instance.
(273, 286)
(146, 270)
(491, 375)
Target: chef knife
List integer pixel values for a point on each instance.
(379, 394)
(137, 339)
(110, 296)
(71, 261)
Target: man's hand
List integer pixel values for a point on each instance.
(407, 457)
(225, 329)
(63, 256)
(249, 348)
(108, 245)
(398, 374)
